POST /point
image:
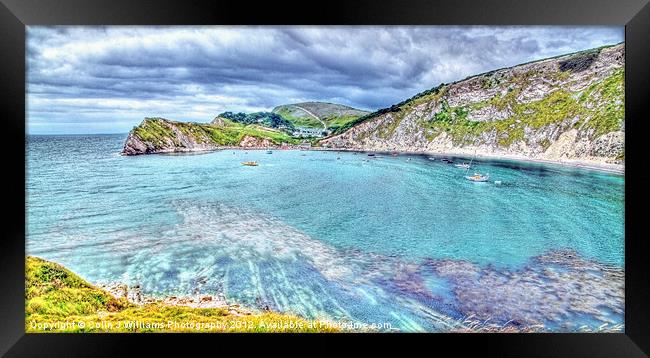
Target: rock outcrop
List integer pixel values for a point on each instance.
(565, 108)
(159, 135)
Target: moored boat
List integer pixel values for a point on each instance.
(250, 164)
(478, 177)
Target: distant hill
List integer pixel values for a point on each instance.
(318, 114)
(266, 119)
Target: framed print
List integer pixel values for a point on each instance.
(398, 170)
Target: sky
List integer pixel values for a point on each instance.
(107, 79)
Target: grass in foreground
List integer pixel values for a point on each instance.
(57, 300)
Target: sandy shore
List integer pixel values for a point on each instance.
(585, 164)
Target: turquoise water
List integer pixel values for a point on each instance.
(400, 240)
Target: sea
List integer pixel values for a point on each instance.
(404, 243)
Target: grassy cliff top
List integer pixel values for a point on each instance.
(56, 300)
(228, 133)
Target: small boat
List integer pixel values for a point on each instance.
(448, 161)
(432, 158)
(250, 164)
(478, 177)
(371, 154)
(269, 152)
(462, 166)
(394, 154)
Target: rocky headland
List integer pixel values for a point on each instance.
(567, 109)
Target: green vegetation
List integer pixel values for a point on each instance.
(232, 133)
(610, 91)
(336, 122)
(314, 114)
(604, 121)
(432, 94)
(298, 121)
(489, 81)
(155, 131)
(55, 295)
(599, 107)
(53, 291)
(159, 131)
(267, 119)
(354, 122)
(580, 61)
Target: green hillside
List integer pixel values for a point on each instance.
(318, 114)
(54, 294)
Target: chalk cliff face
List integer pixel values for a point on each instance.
(565, 108)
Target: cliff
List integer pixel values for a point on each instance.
(569, 107)
(159, 135)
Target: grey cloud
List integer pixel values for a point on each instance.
(192, 73)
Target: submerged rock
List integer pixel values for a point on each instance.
(553, 289)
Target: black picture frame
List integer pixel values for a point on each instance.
(634, 14)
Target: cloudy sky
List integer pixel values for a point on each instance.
(107, 79)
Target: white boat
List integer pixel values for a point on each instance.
(462, 166)
(478, 177)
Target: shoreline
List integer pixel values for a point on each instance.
(134, 295)
(128, 310)
(572, 163)
(569, 163)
